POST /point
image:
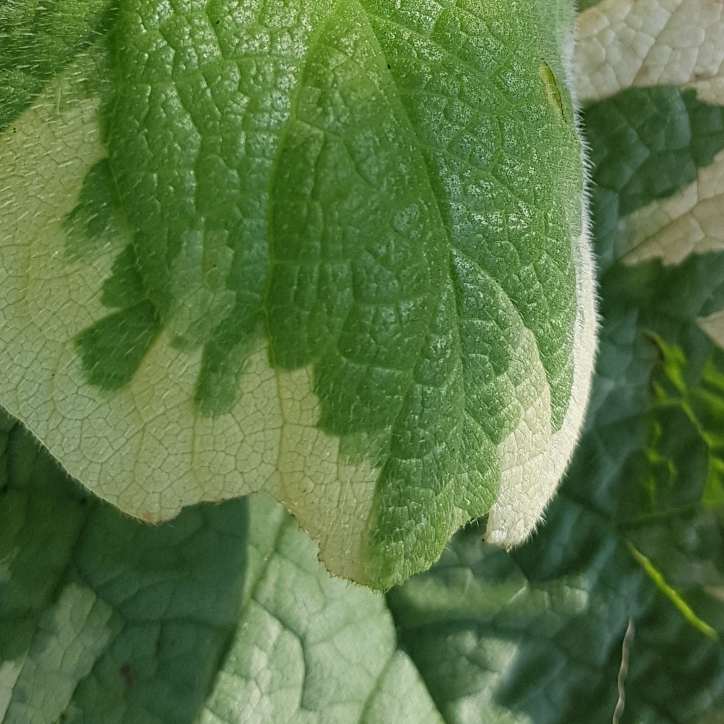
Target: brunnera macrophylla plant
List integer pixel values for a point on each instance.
(222, 614)
(334, 251)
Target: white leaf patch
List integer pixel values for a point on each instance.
(624, 43)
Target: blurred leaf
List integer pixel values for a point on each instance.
(221, 615)
(38, 38)
(660, 582)
(648, 144)
(625, 43)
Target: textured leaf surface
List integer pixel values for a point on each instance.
(533, 636)
(636, 537)
(335, 251)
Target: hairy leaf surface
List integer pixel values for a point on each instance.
(336, 251)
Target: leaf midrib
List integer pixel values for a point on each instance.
(401, 112)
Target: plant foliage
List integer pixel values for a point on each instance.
(223, 615)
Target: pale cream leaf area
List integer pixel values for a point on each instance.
(624, 43)
(713, 326)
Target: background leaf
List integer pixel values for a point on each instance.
(309, 648)
(102, 618)
(624, 43)
(222, 615)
